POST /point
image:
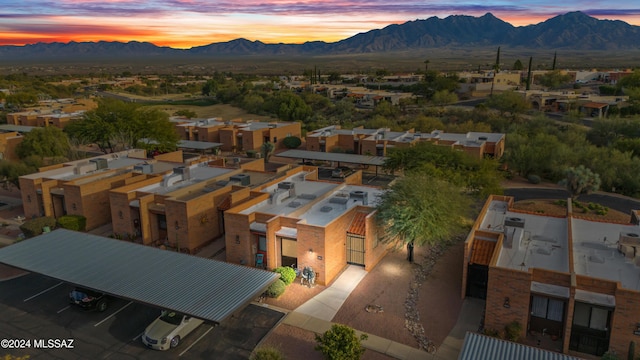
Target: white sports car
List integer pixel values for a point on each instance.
(168, 329)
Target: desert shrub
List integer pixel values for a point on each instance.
(592, 206)
(292, 142)
(267, 353)
(610, 356)
(340, 343)
(276, 289)
(73, 222)
(287, 274)
(534, 179)
(34, 227)
(560, 202)
(513, 331)
(602, 211)
(251, 153)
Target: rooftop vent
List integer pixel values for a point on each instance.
(144, 168)
(483, 138)
(543, 251)
(294, 204)
(243, 179)
(307, 196)
(596, 258)
(326, 209)
(339, 200)
(514, 221)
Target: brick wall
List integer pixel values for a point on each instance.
(373, 253)
(512, 284)
(313, 143)
(624, 321)
(175, 156)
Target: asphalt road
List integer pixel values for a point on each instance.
(612, 201)
(34, 307)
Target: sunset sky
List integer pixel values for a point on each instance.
(188, 23)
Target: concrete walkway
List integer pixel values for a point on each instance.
(326, 304)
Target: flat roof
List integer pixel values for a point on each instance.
(541, 242)
(174, 181)
(323, 156)
(338, 202)
(17, 128)
(203, 288)
(595, 252)
(281, 202)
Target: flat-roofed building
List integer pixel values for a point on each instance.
(376, 142)
(297, 220)
(571, 278)
(8, 142)
(237, 135)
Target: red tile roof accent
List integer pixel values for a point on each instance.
(357, 226)
(482, 251)
(594, 105)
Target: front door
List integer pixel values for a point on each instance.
(289, 253)
(355, 249)
(261, 248)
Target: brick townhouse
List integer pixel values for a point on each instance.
(237, 135)
(569, 278)
(376, 142)
(298, 220)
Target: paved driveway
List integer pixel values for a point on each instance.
(34, 307)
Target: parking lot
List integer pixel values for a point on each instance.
(34, 307)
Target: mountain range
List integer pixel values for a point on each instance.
(571, 31)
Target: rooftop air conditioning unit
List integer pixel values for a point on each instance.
(514, 222)
(629, 238)
(287, 185)
(243, 179)
(184, 171)
(101, 163)
(360, 195)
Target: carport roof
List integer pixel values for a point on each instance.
(347, 158)
(206, 289)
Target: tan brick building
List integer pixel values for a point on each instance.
(298, 220)
(237, 135)
(8, 142)
(376, 142)
(568, 278)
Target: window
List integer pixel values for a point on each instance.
(275, 139)
(590, 316)
(262, 243)
(547, 308)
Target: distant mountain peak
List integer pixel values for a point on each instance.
(574, 30)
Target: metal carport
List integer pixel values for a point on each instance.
(337, 157)
(207, 289)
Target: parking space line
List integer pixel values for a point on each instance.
(200, 338)
(112, 315)
(137, 337)
(63, 309)
(42, 292)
